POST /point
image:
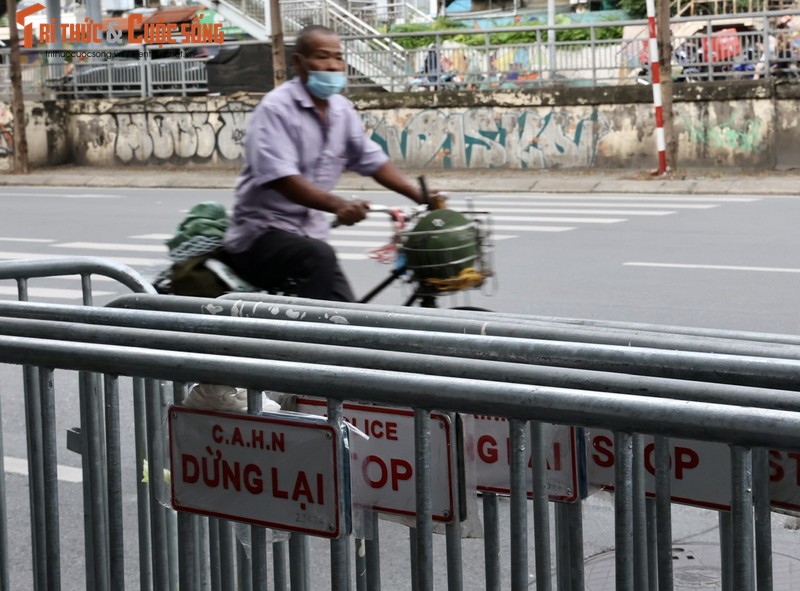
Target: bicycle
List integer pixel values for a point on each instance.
(436, 250)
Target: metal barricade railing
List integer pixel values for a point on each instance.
(666, 381)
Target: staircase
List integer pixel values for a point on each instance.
(380, 60)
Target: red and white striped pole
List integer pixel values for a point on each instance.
(655, 72)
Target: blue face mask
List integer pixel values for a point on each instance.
(323, 85)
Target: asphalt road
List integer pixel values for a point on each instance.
(706, 261)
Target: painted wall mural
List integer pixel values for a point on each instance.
(210, 131)
(489, 138)
(170, 131)
(6, 132)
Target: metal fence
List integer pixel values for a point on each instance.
(108, 72)
(732, 388)
(741, 47)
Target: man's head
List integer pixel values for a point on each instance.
(319, 61)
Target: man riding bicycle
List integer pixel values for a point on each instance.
(300, 139)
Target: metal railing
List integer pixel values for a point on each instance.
(733, 388)
(460, 59)
(108, 72)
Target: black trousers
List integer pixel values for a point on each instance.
(278, 256)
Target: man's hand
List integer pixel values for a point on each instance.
(352, 212)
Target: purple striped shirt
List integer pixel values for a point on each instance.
(286, 137)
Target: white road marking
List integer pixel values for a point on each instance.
(112, 246)
(356, 243)
(577, 210)
(38, 240)
(479, 204)
(513, 228)
(612, 197)
(560, 220)
(50, 292)
(19, 256)
(77, 279)
(375, 224)
(714, 267)
(20, 466)
(152, 237)
(351, 256)
(65, 195)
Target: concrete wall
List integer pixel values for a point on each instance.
(747, 124)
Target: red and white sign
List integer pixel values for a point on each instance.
(700, 471)
(489, 446)
(278, 472)
(382, 466)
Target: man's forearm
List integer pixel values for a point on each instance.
(390, 177)
(296, 188)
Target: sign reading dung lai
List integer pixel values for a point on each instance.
(270, 470)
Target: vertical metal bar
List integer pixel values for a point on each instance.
(763, 519)
(541, 509)
(422, 468)
(652, 545)
(340, 547)
(200, 531)
(412, 543)
(226, 560)
(455, 575)
(33, 425)
(361, 564)
(663, 511)
(86, 289)
(279, 556)
(244, 566)
(258, 535)
(214, 562)
(114, 470)
(374, 557)
(574, 514)
(50, 480)
(187, 566)
(5, 584)
(92, 450)
(640, 547)
(563, 556)
(170, 517)
(623, 510)
(491, 541)
(297, 562)
(519, 500)
(725, 544)
(742, 517)
(158, 521)
(142, 491)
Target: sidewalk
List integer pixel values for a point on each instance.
(684, 182)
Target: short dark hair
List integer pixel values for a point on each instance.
(303, 44)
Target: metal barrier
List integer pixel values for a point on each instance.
(668, 382)
(715, 47)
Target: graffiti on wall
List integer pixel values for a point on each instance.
(6, 131)
(736, 134)
(488, 138)
(170, 131)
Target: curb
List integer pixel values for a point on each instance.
(454, 181)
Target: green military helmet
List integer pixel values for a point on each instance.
(441, 245)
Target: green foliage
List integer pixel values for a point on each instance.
(440, 24)
(634, 8)
(474, 39)
(585, 34)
